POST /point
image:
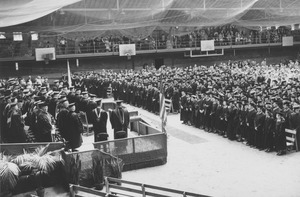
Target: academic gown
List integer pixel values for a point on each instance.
(119, 122)
(75, 129)
(44, 127)
(16, 128)
(99, 120)
(258, 127)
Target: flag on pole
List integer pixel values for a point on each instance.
(163, 112)
(69, 74)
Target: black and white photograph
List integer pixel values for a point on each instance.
(161, 98)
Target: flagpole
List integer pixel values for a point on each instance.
(161, 88)
(162, 100)
(69, 74)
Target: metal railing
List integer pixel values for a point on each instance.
(137, 152)
(129, 188)
(11, 50)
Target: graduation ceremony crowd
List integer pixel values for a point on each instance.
(244, 101)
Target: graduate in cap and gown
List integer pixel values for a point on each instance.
(44, 123)
(259, 126)
(75, 128)
(280, 137)
(15, 122)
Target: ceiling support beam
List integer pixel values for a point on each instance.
(170, 9)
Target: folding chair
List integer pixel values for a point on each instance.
(120, 134)
(168, 105)
(102, 137)
(86, 126)
(291, 140)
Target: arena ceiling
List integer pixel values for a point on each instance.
(134, 17)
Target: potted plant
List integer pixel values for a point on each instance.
(9, 174)
(38, 164)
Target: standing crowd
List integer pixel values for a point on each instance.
(244, 101)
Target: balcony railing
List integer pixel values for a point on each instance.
(21, 49)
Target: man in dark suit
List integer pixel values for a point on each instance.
(99, 120)
(119, 120)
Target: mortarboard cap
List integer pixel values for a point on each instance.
(296, 106)
(63, 100)
(71, 104)
(98, 100)
(42, 104)
(119, 101)
(13, 104)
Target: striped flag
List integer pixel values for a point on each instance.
(163, 112)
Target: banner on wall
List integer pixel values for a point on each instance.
(127, 49)
(207, 45)
(287, 41)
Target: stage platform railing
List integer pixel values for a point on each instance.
(148, 149)
(18, 148)
(117, 187)
(130, 188)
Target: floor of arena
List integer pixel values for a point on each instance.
(209, 164)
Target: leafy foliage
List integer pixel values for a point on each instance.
(9, 172)
(40, 161)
